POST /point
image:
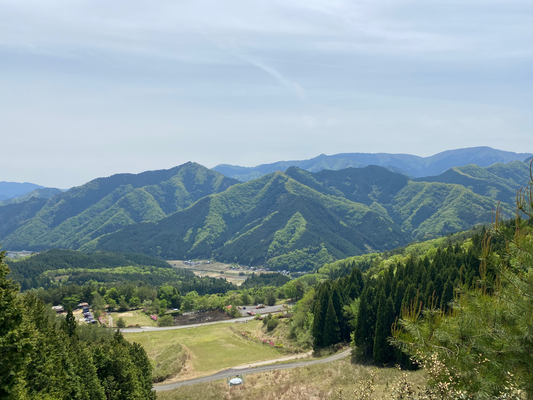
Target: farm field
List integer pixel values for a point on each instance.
(215, 270)
(208, 349)
(337, 380)
(132, 318)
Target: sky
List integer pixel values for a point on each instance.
(94, 88)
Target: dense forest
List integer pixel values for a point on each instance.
(43, 359)
(83, 213)
(298, 220)
(295, 220)
(465, 305)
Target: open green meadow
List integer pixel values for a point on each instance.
(208, 348)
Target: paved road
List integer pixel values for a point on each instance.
(265, 310)
(225, 321)
(233, 371)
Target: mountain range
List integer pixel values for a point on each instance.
(413, 166)
(104, 205)
(301, 220)
(295, 219)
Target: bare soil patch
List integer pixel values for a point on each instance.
(126, 314)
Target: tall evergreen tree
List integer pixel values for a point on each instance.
(15, 336)
(69, 325)
(383, 351)
(365, 327)
(332, 334)
(338, 305)
(319, 315)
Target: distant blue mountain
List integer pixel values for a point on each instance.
(410, 165)
(10, 190)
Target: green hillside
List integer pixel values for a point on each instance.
(259, 221)
(498, 181)
(105, 205)
(299, 220)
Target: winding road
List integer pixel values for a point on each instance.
(245, 371)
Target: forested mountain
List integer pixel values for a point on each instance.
(409, 164)
(300, 220)
(261, 221)
(498, 181)
(105, 205)
(295, 220)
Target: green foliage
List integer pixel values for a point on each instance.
(483, 345)
(121, 323)
(69, 324)
(171, 295)
(299, 221)
(258, 280)
(296, 221)
(165, 320)
(41, 360)
(302, 321)
(77, 217)
(270, 298)
(272, 323)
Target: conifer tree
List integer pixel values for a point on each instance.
(15, 336)
(338, 305)
(69, 325)
(365, 326)
(331, 327)
(383, 352)
(319, 315)
(483, 346)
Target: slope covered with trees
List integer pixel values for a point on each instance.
(462, 311)
(105, 205)
(261, 222)
(299, 220)
(43, 359)
(295, 220)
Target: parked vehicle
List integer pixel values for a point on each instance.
(260, 306)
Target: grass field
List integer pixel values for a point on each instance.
(336, 380)
(209, 348)
(133, 318)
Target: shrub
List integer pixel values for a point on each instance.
(166, 320)
(272, 323)
(121, 323)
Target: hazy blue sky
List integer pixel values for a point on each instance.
(93, 88)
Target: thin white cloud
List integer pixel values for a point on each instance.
(284, 81)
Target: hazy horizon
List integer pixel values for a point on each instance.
(93, 89)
